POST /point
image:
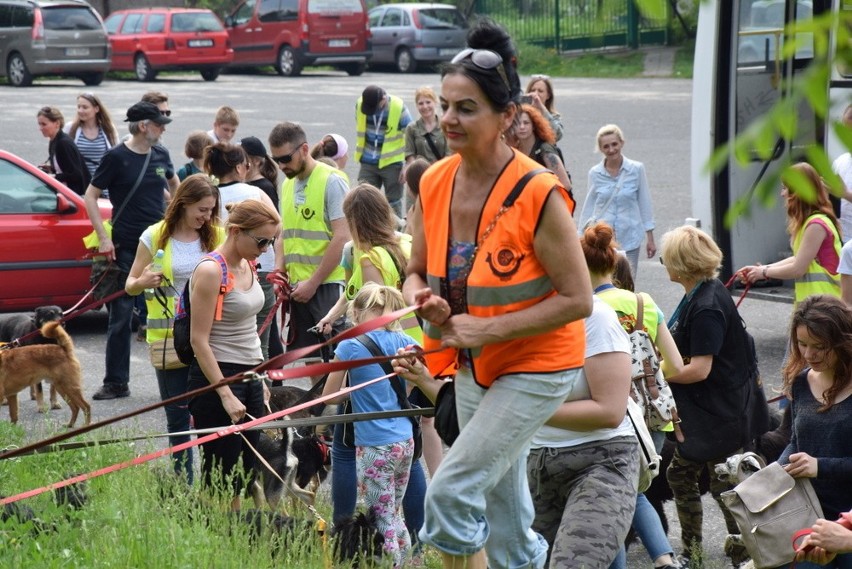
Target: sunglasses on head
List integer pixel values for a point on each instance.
(287, 158)
(484, 59)
(262, 242)
(540, 77)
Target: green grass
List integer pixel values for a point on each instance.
(139, 517)
(534, 59)
(684, 60)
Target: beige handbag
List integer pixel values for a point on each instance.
(163, 354)
(769, 507)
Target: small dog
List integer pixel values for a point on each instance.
(15, 326)
(280, 456)
(22, 367)
(314, 458)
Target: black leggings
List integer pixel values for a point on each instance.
(219, 457)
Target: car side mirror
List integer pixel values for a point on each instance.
(229, 21)
(64, 205)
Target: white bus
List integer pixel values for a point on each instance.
(739, 74)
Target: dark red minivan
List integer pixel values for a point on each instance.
(291, 34)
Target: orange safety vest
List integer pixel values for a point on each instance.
(506, 275)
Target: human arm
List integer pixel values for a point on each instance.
(672, 363)
(552, 118)
(204, 293)
(140, 276)
(173, 183)
(333, 384)
(588, 208)
(558, 251)
(305, 290)
(410, 146)
(828, 539)
(74, 173)
(415, 290)
(608, 377)
(412, 370)
(106, 247)
(551, 159)
(646, 211)
(792, 267)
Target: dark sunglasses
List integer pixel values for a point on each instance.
(287, 158)
(262, 242)
(484, 59)
(166, 113)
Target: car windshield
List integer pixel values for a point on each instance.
(69, 18)
(440, 19)
(196, 22)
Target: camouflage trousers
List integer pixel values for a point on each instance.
(683, 476)
(584, 498)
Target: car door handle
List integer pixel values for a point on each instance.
(258, 29)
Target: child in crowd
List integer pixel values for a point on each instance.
(194, 147)
(224, 125)
(384, 448)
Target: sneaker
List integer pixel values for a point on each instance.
(111, 391)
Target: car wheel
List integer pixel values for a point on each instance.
(143, 69)
(92, 79)
(288, 64)
(405, 62)
(209, 74)
(354, 69)
(17, 72)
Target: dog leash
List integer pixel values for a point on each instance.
(222, 432)
(295, 423)
(746, 287)
(279, 375)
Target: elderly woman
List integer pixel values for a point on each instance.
(619, 195)
(712, 390)
(503, 290)
(423, 137)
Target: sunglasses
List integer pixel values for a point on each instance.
(539, 77)
(484, 59)
(166, 113)
(262, 242)
(287, 158)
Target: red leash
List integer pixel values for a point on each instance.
(746, 287)
(228, 430)
(274, 364)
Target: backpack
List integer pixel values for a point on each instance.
(649, 458)
(183, 346)
(648, 387)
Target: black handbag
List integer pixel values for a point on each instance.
(446, 420)
(348, 437)
(398, 387)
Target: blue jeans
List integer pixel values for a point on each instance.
(172, 382)
(118, 339)
(480, 496)
(344, 486)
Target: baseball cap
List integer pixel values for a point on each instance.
(370, 99)
(253, 146)
(142, 111)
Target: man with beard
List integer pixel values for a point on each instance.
(136, 173)
(315, 230)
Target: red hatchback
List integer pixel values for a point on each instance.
(149, 40)
(42, 224)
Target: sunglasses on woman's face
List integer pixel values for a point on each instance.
(262, 242)
(484, 59)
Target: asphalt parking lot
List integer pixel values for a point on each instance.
(654, 114)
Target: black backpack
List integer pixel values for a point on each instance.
(183, 345)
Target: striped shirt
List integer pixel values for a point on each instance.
(92, 150)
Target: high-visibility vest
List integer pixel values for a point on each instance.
(505, 277)
(161, 319)
(390, 277)
(393, 146)
(624, 304)
(306, 235)
(817, 279)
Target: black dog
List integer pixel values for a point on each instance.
(15, 326)
(314, 460)
(278, 452)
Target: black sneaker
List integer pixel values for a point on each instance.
(111, 391)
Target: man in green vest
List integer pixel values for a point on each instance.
(380, 121)
(314, 230)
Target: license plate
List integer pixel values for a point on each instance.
(446, 52)
(76, 51)
(338, 43)
(200, 43)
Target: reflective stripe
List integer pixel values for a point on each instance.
(393, 143)
(163, 323)
(292, 258)
(304, 234)
(431, 331)
(499, 296)
(820, 278)
(434, 282)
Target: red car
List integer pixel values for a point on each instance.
(149, 40)
(42, 224)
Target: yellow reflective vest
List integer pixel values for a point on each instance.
(817, 279)
(393, 147)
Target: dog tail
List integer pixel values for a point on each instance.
(55, 331)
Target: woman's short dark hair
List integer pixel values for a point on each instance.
(488, 35)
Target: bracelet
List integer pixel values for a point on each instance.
(765, 267)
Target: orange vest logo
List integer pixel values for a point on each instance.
(505, 262)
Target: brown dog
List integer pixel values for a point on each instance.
(24, 366)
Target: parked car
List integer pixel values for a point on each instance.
(52, 37)
(42, 224)
(292, 34)
(408, 35)
(149, 40)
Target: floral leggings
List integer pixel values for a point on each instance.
(382, 478)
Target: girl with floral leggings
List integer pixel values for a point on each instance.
(383, 447)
